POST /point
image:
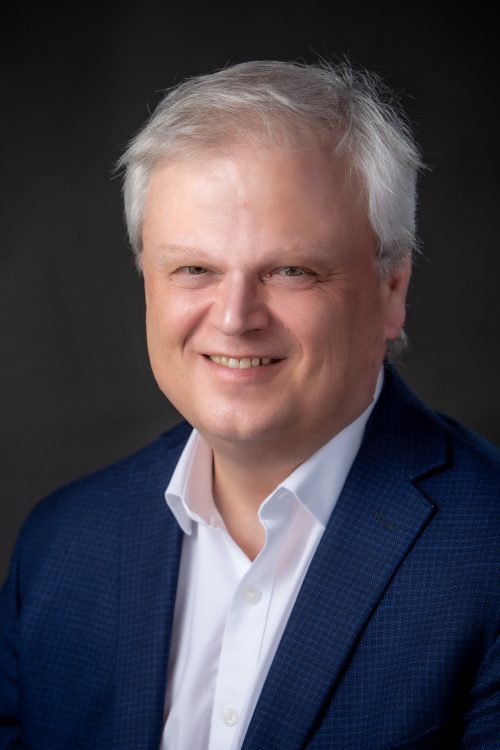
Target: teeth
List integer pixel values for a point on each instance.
(240, 364)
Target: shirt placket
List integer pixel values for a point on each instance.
(243, 637)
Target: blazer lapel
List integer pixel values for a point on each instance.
(151, 547)
(378, 517)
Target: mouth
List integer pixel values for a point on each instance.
(243, 363)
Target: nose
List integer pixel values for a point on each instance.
(240, 306)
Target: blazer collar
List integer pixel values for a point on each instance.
(378, 517)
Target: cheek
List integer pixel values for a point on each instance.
(330, 333)
(171, 317)
(317, 332)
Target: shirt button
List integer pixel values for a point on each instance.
(230, 717)
(251, 594)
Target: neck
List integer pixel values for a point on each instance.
(239, 488)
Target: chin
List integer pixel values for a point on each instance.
(236, 430)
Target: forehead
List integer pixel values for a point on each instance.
(256, 197)
(257, 174)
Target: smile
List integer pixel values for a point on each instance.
(240, 364)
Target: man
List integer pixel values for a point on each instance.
(311, 566)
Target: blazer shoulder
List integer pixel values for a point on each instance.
(457, 468)
(466, 494)
(474, 451)
(89, 509)
(474, 466)
(422, 438)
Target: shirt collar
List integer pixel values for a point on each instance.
(316, 483)
(189, 492)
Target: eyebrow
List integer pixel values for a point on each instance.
(167, 252)
(176, 249)
(297, 250)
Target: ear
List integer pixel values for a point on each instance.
(396, 288)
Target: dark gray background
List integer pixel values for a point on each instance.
(75, 381)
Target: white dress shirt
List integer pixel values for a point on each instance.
(230, 612)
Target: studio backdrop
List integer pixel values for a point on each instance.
(76, 386)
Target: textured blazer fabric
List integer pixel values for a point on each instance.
(392, 643)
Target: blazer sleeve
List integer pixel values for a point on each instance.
(482, 719)
(9, 635)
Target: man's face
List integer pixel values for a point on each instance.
(267, 320)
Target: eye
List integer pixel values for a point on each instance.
(291, 271)
(291, 277)
(192, 270)
(192, 277)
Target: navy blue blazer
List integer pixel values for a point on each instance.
(390, 645)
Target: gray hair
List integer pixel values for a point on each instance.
(350, 110)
